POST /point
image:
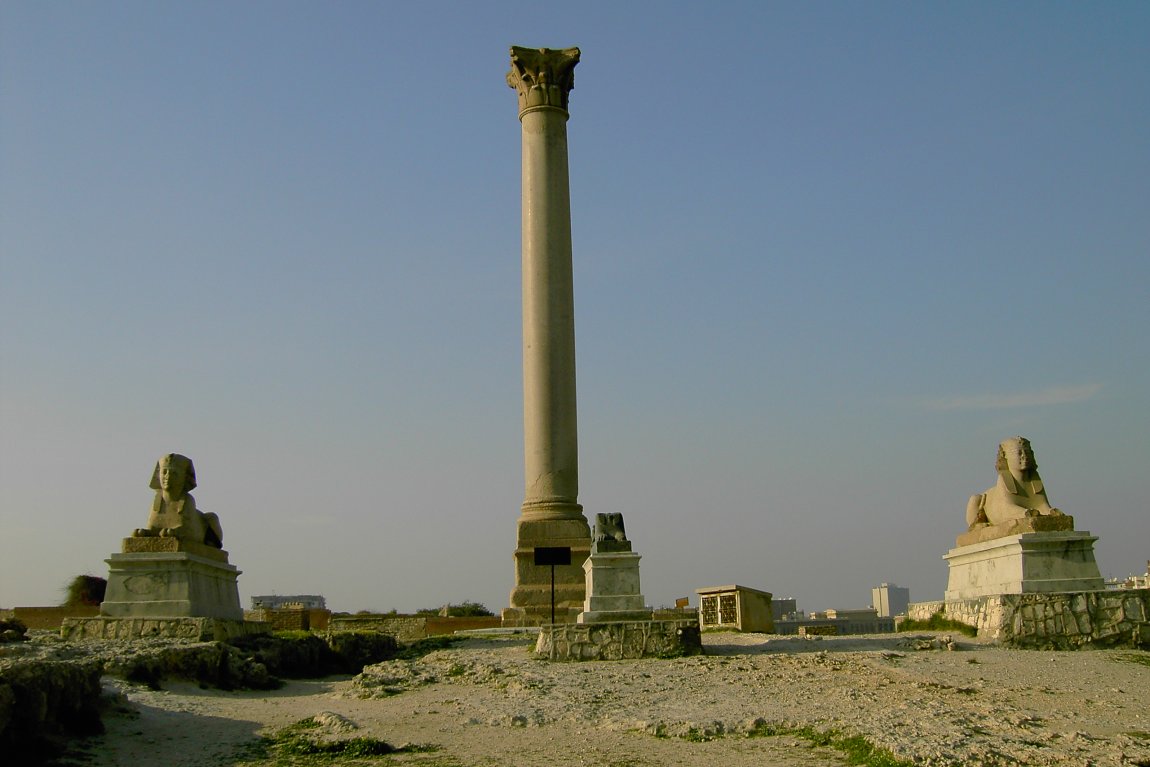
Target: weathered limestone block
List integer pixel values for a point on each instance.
(136, 545)
(186, 628)
(1025, 563)
(619, 641)
(171, 584)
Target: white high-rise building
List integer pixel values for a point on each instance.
(890, 600)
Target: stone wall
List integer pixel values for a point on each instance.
(189, 629)
(290, 618)
(619, 640)
(1057, 620)
(51, 617)
(410, 628)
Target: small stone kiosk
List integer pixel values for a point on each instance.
(1021, 574)
(736, 608)
(615, 624)
(171, 578)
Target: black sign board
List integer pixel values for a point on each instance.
(552, 555)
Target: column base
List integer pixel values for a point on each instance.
(548, 524)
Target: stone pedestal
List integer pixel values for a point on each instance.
(531, 597)
(613, 588)
(170, 578)
(621, 640)
(1042, 562)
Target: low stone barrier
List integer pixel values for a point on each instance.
(1119, 618)
(410, 628)
(190, 629)
(619, 640)
(52, 617)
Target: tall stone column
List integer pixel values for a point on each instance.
(551, 515)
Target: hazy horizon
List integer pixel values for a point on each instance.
(826, 257)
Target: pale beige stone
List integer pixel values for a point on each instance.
(1018, 543)
(174, 513)
(551, 515)
(1032, 562)
(1017, 502)
(149, 545)
(176, 566)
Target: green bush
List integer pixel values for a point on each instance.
(13, 631)
(466, 609)
(85, 591)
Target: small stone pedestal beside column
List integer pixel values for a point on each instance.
(615, 624)
(612, 578)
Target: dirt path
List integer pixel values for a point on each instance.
(492, 703)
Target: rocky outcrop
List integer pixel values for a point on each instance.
(1119, 618)
(43, 701)
(50, 688)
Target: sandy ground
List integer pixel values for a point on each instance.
(492, 703)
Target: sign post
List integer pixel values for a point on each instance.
(552, 555)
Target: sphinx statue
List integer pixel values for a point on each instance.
(174, 513)
(175, 567)
(609, 534)
(1017, 503)
(609, 527)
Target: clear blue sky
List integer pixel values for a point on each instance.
(827, 256)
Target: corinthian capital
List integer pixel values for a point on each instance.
(543, 77)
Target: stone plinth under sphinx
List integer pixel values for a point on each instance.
(154, 577)
(1024, 564)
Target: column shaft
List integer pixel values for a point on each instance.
(551, 461)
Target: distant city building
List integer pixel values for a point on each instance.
(784, 608)
(840, 622)
(735, 607)
(293, 602)
(890, 600)
(1134, 581)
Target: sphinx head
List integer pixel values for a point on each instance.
(174, 475)
(1016, 456)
